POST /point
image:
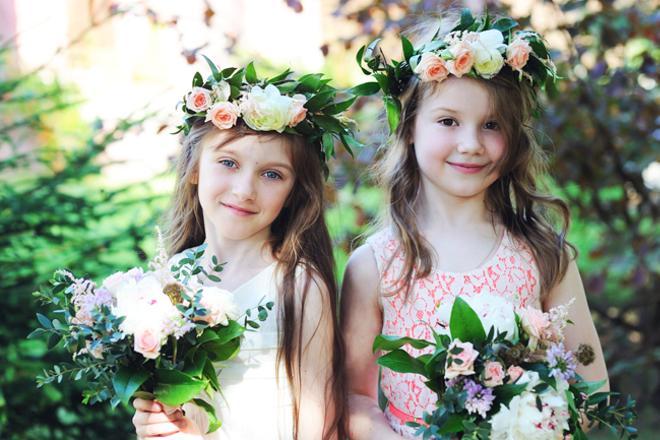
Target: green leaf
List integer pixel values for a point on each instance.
(222, 352)
(464, 323)
(251, 74)
(214, 422)
(389, 342)
(45, 322)
(197, 80)
(214, 70)
(320, 100)
(310, 82)
(505, 24)
(226, 73)
(280, 76)
(328, 145)
(231, 331)
(453, 424)
(508, 391)
(210, 374)
(358, 58)
(393, 111)
(175, 387)
(339, 107)
(401, 362)
(195, 367)
(350, 143)
(365, 89)
(408, 49)
(466, 19)
(127, 381)
(53, 340)
(328, 123)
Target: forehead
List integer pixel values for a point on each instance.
(259, 147)
(462, 95)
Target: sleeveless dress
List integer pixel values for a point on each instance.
(255, 400)
(510, 272)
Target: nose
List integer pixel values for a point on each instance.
(244, 187)
(469, 142)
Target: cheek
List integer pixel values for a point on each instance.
(496, 146)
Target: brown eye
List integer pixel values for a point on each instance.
(447, 122)
(492, 125)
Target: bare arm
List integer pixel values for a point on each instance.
(362, 321)
(582, 331)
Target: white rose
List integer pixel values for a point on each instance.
(266, 109)
(219, 305)
(221, 91)
(487, 48)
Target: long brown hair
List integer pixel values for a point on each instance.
(514, 198)
(299, 240)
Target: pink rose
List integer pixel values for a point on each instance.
(536, 324)
(461, 363)
(198, 99)
(298, 111)
(147, 343)
(494, 374)
(463, 59)
(431, 67)
(223, 115)
(514, 372)
(517, 53)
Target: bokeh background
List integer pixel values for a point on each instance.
(88, 90)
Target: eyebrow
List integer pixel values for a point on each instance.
(445, 109)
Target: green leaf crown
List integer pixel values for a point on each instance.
(477, 47)
(305, 106)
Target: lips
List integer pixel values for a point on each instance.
(466, 168)
(237, 209)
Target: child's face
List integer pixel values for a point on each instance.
(457, 138)
(243, 185)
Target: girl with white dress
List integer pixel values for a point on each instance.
(254, 195)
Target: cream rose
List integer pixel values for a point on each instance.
(536, 324)
(266, 109)
(494, 374)
(223, 115)
(431, 67)
(298, 112)
(198, 99)
(514, 372)
(486, 47)
(517, 53)
(462, 364)
(221, 91)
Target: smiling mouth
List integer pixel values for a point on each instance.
(237, 209)
(466, 168)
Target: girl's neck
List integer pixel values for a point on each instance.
(252, 252)
(437, 209)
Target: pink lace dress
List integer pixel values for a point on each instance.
(509, 272)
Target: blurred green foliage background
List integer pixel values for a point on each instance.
(601, 129)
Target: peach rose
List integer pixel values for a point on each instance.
(298, 111)
(431, 67)
(536, 324)
(463, 59)
(462, 364)
(494, 373)
(147, 343)
(514, 372)
(198, 99)
(223, 115)
(517, 54)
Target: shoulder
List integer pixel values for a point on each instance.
(361, 280)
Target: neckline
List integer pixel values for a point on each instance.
(492, 255)
(253, 278)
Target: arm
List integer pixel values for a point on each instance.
(316, 397)
(362, 321)
(582, 331)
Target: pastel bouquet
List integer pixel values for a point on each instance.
(151, 334)
(504, 373)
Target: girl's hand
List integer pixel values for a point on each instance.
(151, 422)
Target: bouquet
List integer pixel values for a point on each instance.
(504, 373)
(149, 334)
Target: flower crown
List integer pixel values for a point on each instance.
(305, 106)
(475, 47)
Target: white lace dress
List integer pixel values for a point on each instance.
(256, 399)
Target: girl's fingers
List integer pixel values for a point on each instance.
(147, 405)
(147, 418)
(156, 429)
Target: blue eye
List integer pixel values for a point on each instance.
(272, 175)
(228, 163)
(492, 125)
(447, 122)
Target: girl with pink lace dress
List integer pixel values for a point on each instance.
(465, 217)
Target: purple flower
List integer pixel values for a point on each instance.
(561, 362)
(479, 398)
